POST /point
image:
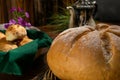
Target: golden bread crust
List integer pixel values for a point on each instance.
(85, 53)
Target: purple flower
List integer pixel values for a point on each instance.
(28, 24)
(22, 22)
(19, 9)
(27, 14)
(13, 9)
(12, 21)
(19, 18)
(6, 25)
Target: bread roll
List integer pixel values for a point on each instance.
(2, 35)
(25, 41)
(5, 46)
(14, 32)
(86, 53)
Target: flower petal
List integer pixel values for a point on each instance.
(20, 10)
(28, 24)
(12, 21)
(27, 14)
(6, 25)
(13, 9)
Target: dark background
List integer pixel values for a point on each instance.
(39, 10)
(108, 11)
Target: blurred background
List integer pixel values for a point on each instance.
(40, 11)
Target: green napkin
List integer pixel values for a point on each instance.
(17, 60)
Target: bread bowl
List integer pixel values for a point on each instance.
(86, 53)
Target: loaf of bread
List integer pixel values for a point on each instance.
(25, 40)
(15, 36)
(5, 46)
(2, 35)
(15, 32)
(86, 53)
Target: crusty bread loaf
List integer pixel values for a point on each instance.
(5, 46)
(2, 35)
(25, 40)
(14, 32)
(86, 53)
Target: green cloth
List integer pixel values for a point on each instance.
(17, 60)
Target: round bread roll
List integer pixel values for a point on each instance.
(2, 35)
(15, 32)
(5, 46)
(25, 40)
(86, 53)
